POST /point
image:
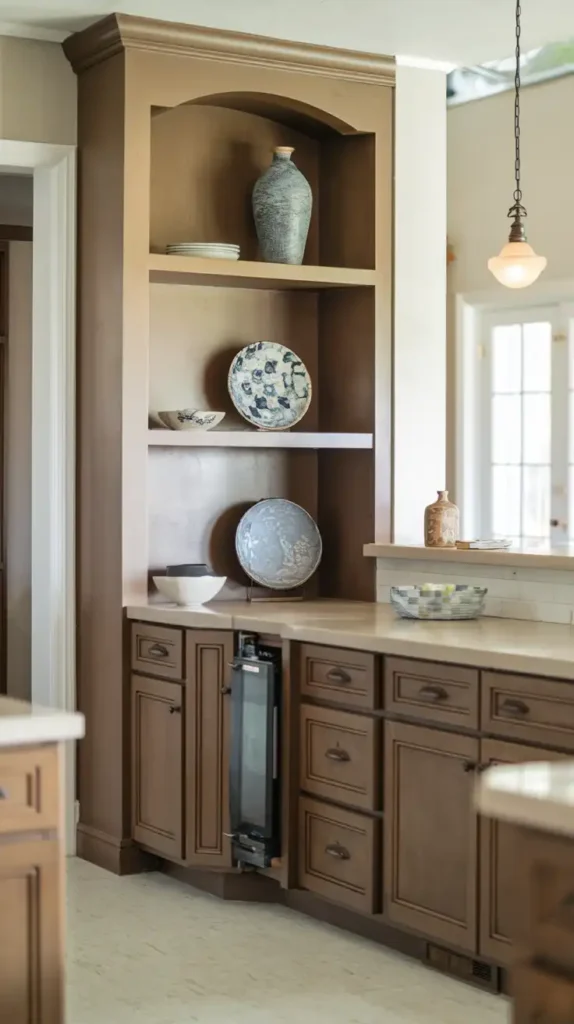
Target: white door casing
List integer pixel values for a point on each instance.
(53, 682)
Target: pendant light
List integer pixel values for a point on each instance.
(517, 265)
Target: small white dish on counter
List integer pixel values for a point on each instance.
(438, 601)
(189, 590)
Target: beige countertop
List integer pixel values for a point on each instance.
(554, 558)
(538, 794)
(535, 648)
(22, 723)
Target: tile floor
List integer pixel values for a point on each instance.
(148, 950)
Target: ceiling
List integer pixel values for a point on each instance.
(458, 31)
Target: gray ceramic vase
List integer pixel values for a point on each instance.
(282, 202)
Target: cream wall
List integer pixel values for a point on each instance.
(18, 508)
(419, 420)
(480, 184)
(37, 92)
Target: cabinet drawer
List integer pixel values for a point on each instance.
(541, 997)
(338, 851)
(29, 789)
(432, 692)
(546, 909)
(338, 756)
(342, 677)
(527, 708)
(157, 650)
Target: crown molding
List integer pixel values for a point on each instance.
(120, 32)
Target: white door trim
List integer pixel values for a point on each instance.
(53, 427)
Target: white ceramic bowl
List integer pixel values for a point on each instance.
(191, 419)
(189, 590)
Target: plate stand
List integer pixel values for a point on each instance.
(292, 595)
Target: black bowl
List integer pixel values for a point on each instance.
(192, 569)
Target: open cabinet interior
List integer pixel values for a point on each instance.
(204, 163)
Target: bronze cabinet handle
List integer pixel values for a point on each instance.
(469, 766)
(338, 675)
(158, 651)
(3, 794)
(336, 754)
(175, 709)
(225, 690)
(432, 692)
(514, 708)
(338, 851)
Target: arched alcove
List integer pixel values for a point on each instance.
(207, 154)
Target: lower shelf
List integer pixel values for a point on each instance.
(255, 439)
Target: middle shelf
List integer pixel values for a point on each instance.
(256, 439)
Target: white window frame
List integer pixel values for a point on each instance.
(475, 316)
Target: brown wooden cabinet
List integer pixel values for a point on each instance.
(157, 765)
(430, 861)
(498, 858)
(208, 657)
(31, 940)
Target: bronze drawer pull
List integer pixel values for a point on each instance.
(158, 651)
(225, 690)
(469, 766)
(337, 675)
(338, 851)
(514, 708)
(175, 709)
(434, 693)
(336, 754)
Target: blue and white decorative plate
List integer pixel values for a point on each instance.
(278, 544)
(269, 385)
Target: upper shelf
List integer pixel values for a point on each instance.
(246, 274)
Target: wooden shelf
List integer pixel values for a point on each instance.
(246, 274)
(255, 439)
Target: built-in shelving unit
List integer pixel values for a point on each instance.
(175, 125)
(256, 439)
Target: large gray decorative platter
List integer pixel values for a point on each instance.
(278, 544)
(269, 385)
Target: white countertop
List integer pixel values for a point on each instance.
(535, 648)
(553, 558)
(22, 723)
(538, 794)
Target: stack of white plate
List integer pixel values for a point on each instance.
(205, 250)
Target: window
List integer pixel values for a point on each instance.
(524, 443)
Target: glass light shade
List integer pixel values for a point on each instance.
(517, 265)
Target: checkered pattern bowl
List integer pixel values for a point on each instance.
(438, 601)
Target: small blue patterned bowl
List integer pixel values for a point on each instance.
(439, 601)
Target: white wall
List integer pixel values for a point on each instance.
(481, 180)
(37, 92)
(480, 187)
(18, 470)
(420, 298)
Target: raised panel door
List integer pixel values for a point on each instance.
(157, 765)
(31, 945)
(498, 860)
(430, 862)
(209, 655)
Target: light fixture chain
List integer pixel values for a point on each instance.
(518, 192)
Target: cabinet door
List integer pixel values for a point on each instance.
(157, 765)
(498, 860)
(31, 943)
(208, 657)
(431, 833)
